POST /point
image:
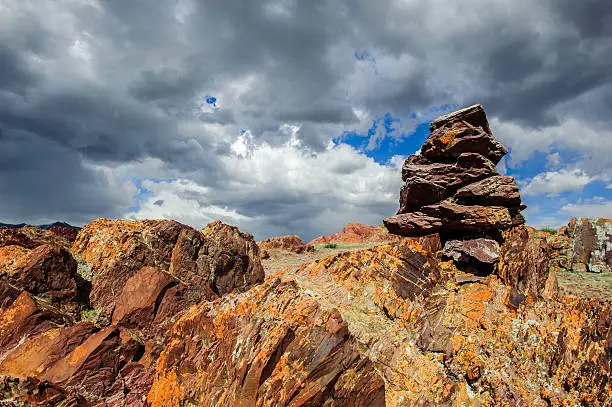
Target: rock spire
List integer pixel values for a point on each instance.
(452, 187)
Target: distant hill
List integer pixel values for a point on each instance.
(45, 227)
(357, 233)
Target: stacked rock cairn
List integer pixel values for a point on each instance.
(452, 187)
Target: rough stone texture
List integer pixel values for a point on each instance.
(217, 260)
(49, 357)
(273, 345)
(583, 245)
(32, 237)
(482, 250)
(449, 216)
(457, 137)
(357, 233)
(464, 341)
(523, 263)
(290, 243)
(391, 325)
(452, 186)
(46, 271)
(496, 190)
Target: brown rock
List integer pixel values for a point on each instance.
(523, 262)
(357, 233)
(496, 190)
(481, 249)
(215, 261)
(455, 138)
(234, 258)
(31, 237)
(290, 243)
(449, 216)
(473, 115)
(468, 168)
(270, 346)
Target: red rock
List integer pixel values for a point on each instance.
(496, 190)
(523, 262)
(357, 233)
(46, 271)
(455, 138)
(449, 216)
(290, 243)
(31, 237)
(270, 346)
(482, 250)
(215, 261)
(468, 168)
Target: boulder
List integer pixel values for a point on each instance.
(449, 216)
(212, 262)
(449, 141)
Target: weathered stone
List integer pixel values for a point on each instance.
(31, 237)
(523, 262)
(469, 168)
(496, 190)
(452, 186)
(449, 216)
(451, 140)
(473, 115)
(465, 332)
(592, 244)
(481, 249)
(212, 262)
(273, 345)
(417, 192)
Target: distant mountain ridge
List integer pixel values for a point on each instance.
(47, 226)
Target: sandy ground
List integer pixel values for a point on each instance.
(586, 285)
(280, 259)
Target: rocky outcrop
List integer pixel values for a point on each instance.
(289, 243)
(31, 237)
(212, 262)
(452, 185)
(452, 188)
(274, 345)
(583, 245)
(357, 233)
(524, 263)
(443, 337)
(48, 272)
(51, 354)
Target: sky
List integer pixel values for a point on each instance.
(292, 117)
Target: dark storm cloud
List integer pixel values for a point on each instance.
(115, 83)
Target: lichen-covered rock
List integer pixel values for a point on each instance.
(448, 216)
(524, 262)
(218, 260)
(452, 186)
(272, 346)
(31, 237)
(47, 271)
(465, 340)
